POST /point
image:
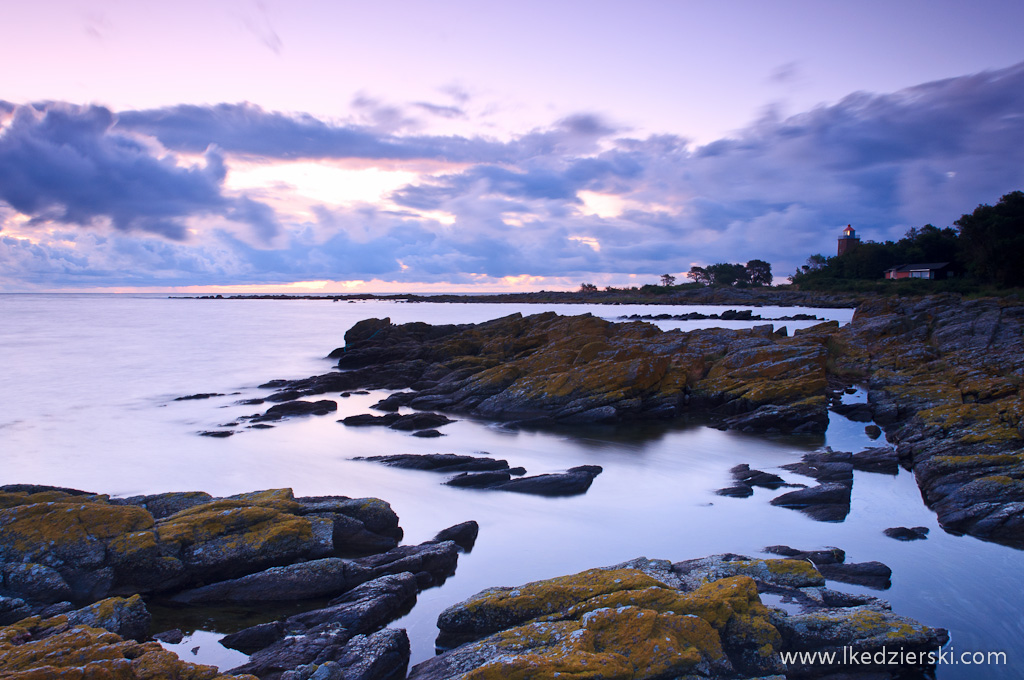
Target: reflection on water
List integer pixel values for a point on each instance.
(88, 404)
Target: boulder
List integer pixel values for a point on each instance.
(869, 574)
(907, 534)
(381, 656)
(439, 462)
(463, 535)
(572, 482)
(824, 503)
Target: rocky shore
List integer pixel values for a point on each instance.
(79, 567)
(944, 376)
(75, 567)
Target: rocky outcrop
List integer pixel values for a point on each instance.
(190, 549)
(57, 546)
(944, 378)
(94, 643)
(649, 619)
(546, 368)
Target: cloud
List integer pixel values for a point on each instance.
(66, 164)
(248, 129)
(780, 190)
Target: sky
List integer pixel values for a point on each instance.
(322, 146)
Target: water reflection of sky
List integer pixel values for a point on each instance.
(89, 398)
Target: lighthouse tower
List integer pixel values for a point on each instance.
(848, 241)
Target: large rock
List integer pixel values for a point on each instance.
(82, 644)
(581, 370)
(651, 619)
(824, 502)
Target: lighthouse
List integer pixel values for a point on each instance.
(848, 241)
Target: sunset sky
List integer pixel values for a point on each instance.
(316, 146)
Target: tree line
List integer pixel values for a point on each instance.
(986, 246)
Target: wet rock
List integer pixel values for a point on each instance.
(907, 534)
(394, 401)
(365, 608)
(463, 535)
(825, 467)
(325, 577)
(217, 434)
(173, 636)
(826, 556)
(364, 419)
(254, 638)
(869, 574)
(610, 619)
(289, 409)
(572, 482)
(128, 618)
(824, 503)
(740, 491)
(859, 412)
(880, 459)
(202, 395)
(431, 563)
(35, 582)
(440, 462)
(743, 473)
(873, 431)
(13, 609)
(420, 421)
(163, 505)
(427, 434)
(381, 656)
(57, 647)
(479, 480)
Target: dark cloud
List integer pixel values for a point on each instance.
(441, 111)
(248, 129)
(67, 164)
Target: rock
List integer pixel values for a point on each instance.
(869, 574)
(128, 618)
(365, 608)
(743, 473)
(907, 534)
(881, 459)
(162, 505)
(816, 557)
(420, 421)
(58, 648)
(427, 434)
(324, 577)
(173, 636)
(13, 609)
(35, 582)
(440, 462)
(431, 563)
(859, 412)
(314, 647)
(365, 419)
(826, 467)
(824, 503)
(394, 401)
(873, 431)
(859, 630)
(298, 408)
(254, 638)
(574, 481)
(381, 656)
(218, 434)
(740, 491)
(463, 535)
(770, 573)
(203, 395)
(479, 480)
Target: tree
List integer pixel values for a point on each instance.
(588, 288)
(699, 275)
(759, 272)
(726, 274)
(668, 280)
(992, 241)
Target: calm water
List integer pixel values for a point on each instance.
(86, 401)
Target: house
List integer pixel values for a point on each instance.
(848, 241)
(927, 270)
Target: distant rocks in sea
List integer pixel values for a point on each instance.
(727, 315)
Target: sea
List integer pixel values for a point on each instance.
(87, 400)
